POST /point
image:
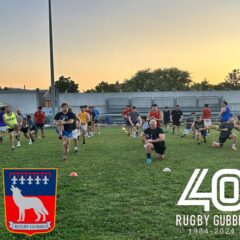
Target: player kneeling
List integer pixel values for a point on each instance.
(200, 128)
(225, 129)
(154, 139)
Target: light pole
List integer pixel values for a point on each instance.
(53, 98)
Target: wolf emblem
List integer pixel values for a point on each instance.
(24, 203)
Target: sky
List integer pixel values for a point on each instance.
(110, 40)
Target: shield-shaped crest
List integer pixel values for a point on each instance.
(30, 200)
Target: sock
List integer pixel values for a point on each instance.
(234, 145)
(148, 155)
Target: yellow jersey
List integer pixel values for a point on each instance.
(83, 117)
(10, 120)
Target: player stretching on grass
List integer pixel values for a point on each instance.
(200, 128)
(154, 139)
(64, 120)
(225, 129)
(135, 121)
(10, 120)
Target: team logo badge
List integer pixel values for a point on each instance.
(30, 200)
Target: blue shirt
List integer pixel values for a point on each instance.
(96, 114)
(2, 124)
(226, 115)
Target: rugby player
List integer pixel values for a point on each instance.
(176, 118)
(154, 139)
(200, 127)
(10, 119)
(135, 121)
(39, 119)
(64, 120)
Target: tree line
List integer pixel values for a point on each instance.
(148, 80)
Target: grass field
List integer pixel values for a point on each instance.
(116, 195)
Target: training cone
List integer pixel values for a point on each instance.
(73, 174)
(167, 169)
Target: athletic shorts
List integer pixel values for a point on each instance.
(204, 133)
(128, 123)
(33, 129)
(3, 129)
(125, 120)
(208, 122)
(166, 121)
(83, 127)
(223, 138)
(159, 148)
(75, 134)
(186, 131)
(24, 129)
(176, 123)
(135, 123)
(96, 121)
(40, 125)
(89, 123)
(10, 130)
(66, 134)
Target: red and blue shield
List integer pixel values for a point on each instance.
(30, 200)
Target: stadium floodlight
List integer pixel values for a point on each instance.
(53, 98)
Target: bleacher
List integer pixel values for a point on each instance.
(115, 106)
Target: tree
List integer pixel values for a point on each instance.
(105, 87)
(202, 86)
(167, 79)
(232, 80)
(64, 84)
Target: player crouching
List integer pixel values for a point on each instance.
(154, 139)
(225, 129)
(200, 128)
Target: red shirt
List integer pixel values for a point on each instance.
(206, 113)
(39, 117)
(126, 112)
(156, 115)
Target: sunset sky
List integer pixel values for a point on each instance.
(109, 40)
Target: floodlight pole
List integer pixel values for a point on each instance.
(53, 97)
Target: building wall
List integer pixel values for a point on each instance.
(99, 99)
(27, 102)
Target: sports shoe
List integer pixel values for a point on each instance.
(13, 147)
(234, 148)
(75, 149)
(30, 142)
(1, 140)
(149, 161)
(18, 144)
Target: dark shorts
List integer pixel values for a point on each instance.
(204, 133)
(135, 123)
(96, 120)
(40, 125)
(90, 124)
(10, 130)
(33, 129)
(223, 137)
(166, 121)
(24, 129)
(176, 123)
(159, 148)
(128, 123)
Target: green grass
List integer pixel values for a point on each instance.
(116, 195)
